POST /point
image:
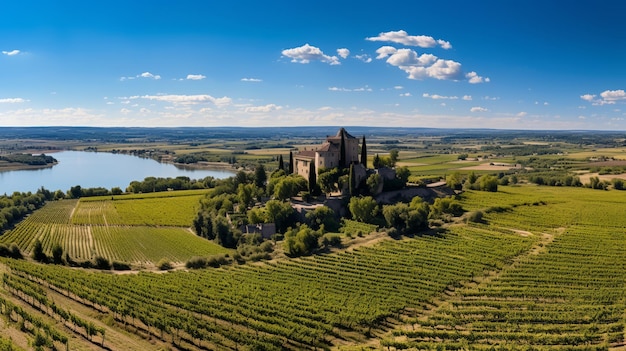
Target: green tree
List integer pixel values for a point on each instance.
(323, 217)
(300, 241)
(446, 206)
(471, 178)
(488, 183)
(224, 233)
(203, 224)
(256, 215)
(454, 181)
(279, 213)
(246, 194)
(289, 186)
(363, 209)
(373, 183)
(377, 162)
(57, 254)
(395, 215)
(403, 174)
(618, 184)
(290, 162)
(328, 179)
(38, 253)
(240, 178)
(260, 176)
(351, 181)
(393, 157)
(75, 192)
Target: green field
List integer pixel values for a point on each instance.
(545, 270)
(130, 228)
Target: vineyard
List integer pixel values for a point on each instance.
(569, 294)
(132, 229)
(544, 270)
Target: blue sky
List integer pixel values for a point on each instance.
(454, 64)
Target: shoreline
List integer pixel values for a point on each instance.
(9, 167)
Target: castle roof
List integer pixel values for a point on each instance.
(329, 146)
(337, 137)
(306, 153)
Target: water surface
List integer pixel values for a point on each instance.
(96, 169)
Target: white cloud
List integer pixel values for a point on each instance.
(143, 75)
(588, 97)
(12, 100)
(439, 97)
(467, 97)
(424, 66)
(385, 51)
(474, 78)
(478, 109)
(405, 94)
(150, 75)
(365, 88)
(402, 37)
(522, 114)
(398, 87)
(253, 80)
(307, 53)
(607, 97)
(611, 96)
(187, 99)
(195, 77)
(125, 111)
(343, 52)
(11, 53)
(265, 108)
(440, 70)
(364, 57)
(493, 98)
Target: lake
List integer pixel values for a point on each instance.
(96, 169)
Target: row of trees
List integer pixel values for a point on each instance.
(485, 182)
(18, 205)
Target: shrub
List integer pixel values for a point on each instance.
(393, 232)
(164, 265)
(196, 262)
(120, 266)
(57, 254)
(14, 251)
(475, 217)
(101, 263)
(38, 254)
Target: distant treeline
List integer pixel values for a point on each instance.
(205, 157)
(33, 160)
(153, 184)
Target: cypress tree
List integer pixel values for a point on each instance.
(342, 149)
(351, 181)
(281, 163)
(363, 153)
(376, 163)
(312, 177)
(290, 162)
